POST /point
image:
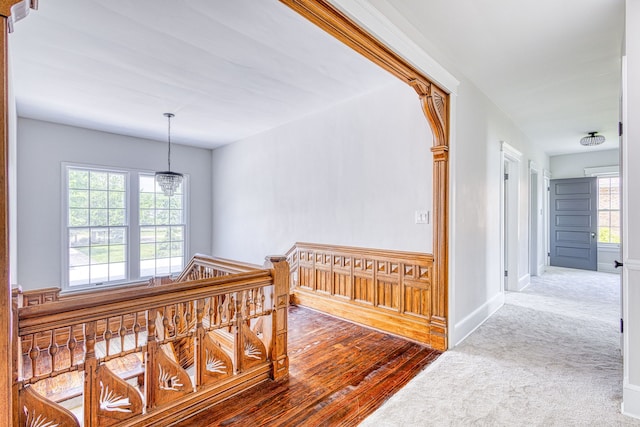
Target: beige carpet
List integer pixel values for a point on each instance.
(549, 357)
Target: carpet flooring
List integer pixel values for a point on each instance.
(549, 357)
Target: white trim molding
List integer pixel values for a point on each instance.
(524, 281)
(469, 324)
(602, 171)
(630, 400)
(510, 152)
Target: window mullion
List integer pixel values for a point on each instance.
(134, 226)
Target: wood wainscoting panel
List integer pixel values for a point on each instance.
(383, 289)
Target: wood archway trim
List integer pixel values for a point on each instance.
(435, 105)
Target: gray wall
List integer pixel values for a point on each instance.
(351, 175)
(572, 165)
(43, 146)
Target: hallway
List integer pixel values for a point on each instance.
(550, 356)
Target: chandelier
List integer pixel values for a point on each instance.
(592, 139)
(167, 180)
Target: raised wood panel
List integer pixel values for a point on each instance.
(342, 284)
(396, 286)
(363, 289)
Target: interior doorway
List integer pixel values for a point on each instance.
(511, 159)
(535, 216)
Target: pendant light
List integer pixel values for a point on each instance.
(167, 180)
(592, 139)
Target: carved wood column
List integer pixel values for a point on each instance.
(5, 286)
(435, 107)
(279, 352)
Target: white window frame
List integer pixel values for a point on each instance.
(605, 172)
(133, 225)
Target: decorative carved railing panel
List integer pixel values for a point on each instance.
(388, 290)
(155, 354)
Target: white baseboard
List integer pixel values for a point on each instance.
(541, 268)
(631, 400)
(607, 268)
(524, 281)
(466, 326)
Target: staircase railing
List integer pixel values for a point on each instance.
(152, 355)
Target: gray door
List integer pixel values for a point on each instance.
(574, 217)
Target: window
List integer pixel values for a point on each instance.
(608, 210)
(162, 229)
(120, 227)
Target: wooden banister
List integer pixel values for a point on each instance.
(192, 340)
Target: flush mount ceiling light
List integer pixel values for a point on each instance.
(167, 180)
(592, 139)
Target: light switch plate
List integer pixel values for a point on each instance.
(422, 217)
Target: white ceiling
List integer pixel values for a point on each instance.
(230, 69)
(227, 69)
(552, 65)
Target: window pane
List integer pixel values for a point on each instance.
(78, 276)
(162, 250)
(78, 217)
(117, 271)
(78, 198)
(162, 201)
(147, 201)
(177, 233)
(176, 249)
(99, 273)
(117, 217)
(117, 182)
(116, 253)
(117, 236)
(147, 184)
(98, 180)
(147, 217)
(175, 202)
(615, 234)
(78, 178)
(78, 237)
(162, 217)
(98, 217)
(176, 217)
(98, 199)
(79, 256)
(147, 251)
(603, 219)
(162, 234)
(116, 200)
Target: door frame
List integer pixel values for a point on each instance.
(510, 160)
(534, 219)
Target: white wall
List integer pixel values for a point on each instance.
(42, 146)
(572, 166)
(351, 175)
(477, 127)
(631, 206)
(476, 179)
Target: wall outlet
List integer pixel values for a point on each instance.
(422, 217)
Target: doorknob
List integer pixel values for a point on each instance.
(593, 235)
(617, 264)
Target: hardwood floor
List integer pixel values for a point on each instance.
(339, 373)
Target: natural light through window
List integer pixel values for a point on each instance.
(162, 229)
(120, 227)
(608, 210)
(97, 226)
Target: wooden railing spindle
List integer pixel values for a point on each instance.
(150, 368)
(90, 366)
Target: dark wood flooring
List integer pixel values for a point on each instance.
(339, 373)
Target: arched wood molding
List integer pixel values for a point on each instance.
(435, 104)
